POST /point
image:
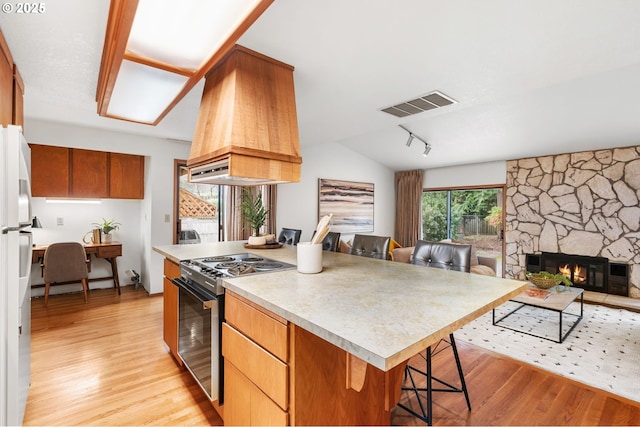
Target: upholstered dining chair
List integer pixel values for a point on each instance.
(370, 246)
(330, 242)
(289, 236)
(65, 262)
(447, 256)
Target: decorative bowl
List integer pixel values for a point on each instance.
(543, 282)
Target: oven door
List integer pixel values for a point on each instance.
(199, 334)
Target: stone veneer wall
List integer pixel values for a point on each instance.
(582, 203)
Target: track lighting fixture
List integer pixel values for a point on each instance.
(427, 146)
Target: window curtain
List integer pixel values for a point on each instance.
(234, 227)
(408, 207)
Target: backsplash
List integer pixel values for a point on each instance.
(582, 203)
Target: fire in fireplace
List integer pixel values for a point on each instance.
(577, 275)
(590, 273)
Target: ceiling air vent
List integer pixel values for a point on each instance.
(427, 102)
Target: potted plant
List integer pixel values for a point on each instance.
(546, 280)
(253, 211)
(106, 227)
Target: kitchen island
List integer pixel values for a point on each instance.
(349, 330)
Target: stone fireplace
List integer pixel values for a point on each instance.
(583, 204)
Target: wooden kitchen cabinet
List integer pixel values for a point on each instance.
(126, 176)
(50, 171)
(6, 83)
(11, 88)
(89, 173)
(255, 345)
(277, 373)
(170, 308)
(18, 98)
(73, 172)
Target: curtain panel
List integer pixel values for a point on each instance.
(408, 207)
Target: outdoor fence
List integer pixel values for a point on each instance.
(475, 225)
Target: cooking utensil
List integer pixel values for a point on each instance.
(322, 229)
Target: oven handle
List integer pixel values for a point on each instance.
(207, 299)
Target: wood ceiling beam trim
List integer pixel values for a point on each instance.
(130, 56)
(121, 15)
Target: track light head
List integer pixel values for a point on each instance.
(410, 140)
(427, 149)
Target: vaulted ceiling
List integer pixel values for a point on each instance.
(530, 77)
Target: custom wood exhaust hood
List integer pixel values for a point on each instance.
(247, 128)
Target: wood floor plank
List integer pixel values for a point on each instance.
(104, 363)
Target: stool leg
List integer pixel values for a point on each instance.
(429, 388)
(459, 365)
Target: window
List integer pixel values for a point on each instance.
(465, 215)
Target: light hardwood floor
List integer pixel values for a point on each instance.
(104, 363)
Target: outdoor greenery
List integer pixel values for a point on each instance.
(495, 217)
(482, 203)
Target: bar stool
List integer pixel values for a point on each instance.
(448, 256)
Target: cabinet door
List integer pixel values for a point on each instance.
(170, 308)
(126, 176)
(18, 98)
(49, 171)
(6, 83)
(88, 173)
(245, 404)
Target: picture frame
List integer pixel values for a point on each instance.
(351, 203)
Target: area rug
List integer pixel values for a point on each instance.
(603, 350)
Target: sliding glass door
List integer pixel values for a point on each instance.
(465, 215)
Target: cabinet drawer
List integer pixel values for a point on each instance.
(269, 332)
(257, 364)
(171, 269)
(109, 251)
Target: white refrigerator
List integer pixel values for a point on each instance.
(15, 268)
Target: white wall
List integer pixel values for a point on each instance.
(143, 221)
(466, 175)
(298, 202)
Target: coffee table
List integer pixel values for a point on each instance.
(555, 301)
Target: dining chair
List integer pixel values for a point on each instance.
(371, 246)
(330, 242)
(65, 262)
(447, 256)
(289, 236)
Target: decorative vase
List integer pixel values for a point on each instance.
(561, 288)
(106, 238)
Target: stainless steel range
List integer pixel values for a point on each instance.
(201, 312)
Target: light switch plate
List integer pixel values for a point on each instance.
(60, 221)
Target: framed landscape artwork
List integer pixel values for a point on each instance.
(351, 204)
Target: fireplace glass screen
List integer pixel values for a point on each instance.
(584, 272)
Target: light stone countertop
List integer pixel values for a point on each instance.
(383, 312)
